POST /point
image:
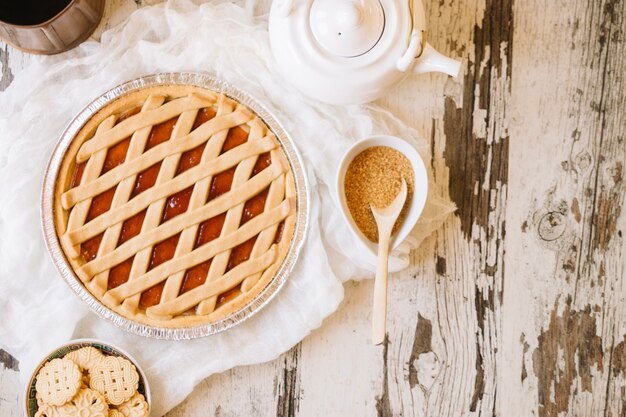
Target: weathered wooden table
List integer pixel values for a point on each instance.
(517, 306)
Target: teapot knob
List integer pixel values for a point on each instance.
(347, 28)
(348, 15)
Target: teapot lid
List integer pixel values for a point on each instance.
(347, 28)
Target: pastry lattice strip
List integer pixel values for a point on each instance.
(122, 194)
(231, 222)
(141, 260)
(78, 215)
(275, 195)
(199, 196)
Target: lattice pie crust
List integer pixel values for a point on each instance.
(175, 206)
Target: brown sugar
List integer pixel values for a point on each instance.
(374, 177)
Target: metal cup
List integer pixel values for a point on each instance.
(71, 26)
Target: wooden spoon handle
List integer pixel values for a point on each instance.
(379, 312)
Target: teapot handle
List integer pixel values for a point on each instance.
(426, 58)
(414, 50)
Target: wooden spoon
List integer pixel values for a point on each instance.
(385, 219)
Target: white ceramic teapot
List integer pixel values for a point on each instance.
(352, 51)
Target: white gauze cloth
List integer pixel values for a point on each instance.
(38, 311)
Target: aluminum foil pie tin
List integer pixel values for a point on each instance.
(64, 267)
(30, 397)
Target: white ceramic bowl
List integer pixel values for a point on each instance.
(30, 399)
(416, 204)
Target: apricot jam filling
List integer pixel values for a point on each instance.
(175, 205)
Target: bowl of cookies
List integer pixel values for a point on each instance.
(88, 377)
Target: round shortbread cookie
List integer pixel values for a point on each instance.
(89, 403)
(86, 357)
(115, 378)
(58, 381)
(135, 407)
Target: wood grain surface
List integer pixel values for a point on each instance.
(517, 305)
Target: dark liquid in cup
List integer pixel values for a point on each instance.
(30, 12)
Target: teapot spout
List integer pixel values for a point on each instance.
(433, 61)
